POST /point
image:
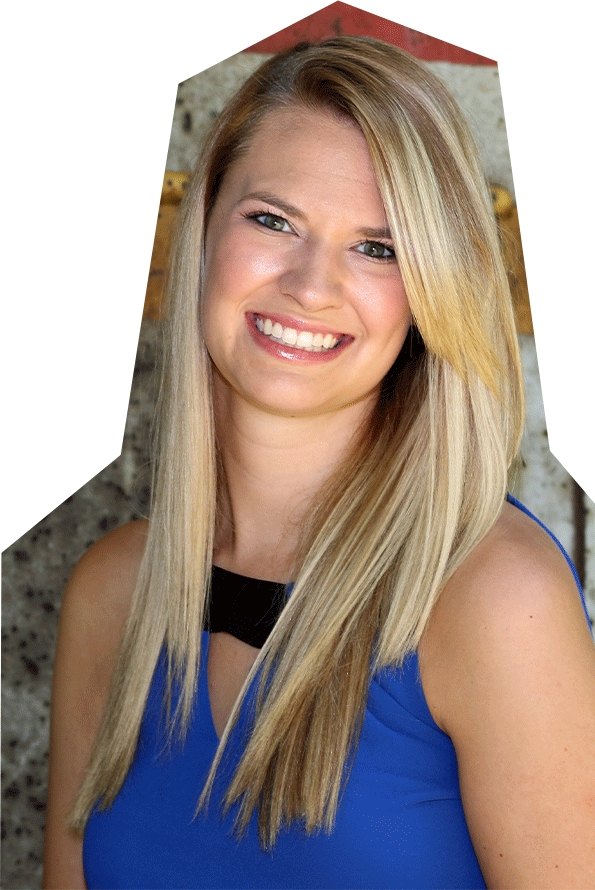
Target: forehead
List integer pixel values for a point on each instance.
(297, 144)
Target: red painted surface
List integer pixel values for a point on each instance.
(340, 18)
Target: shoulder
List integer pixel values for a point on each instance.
(114, 556)
(95, 605)
(514, 595)
(516, 565)
(517, 574)
(99, 592)
(112, 562)
(508, 670)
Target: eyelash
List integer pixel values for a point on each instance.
(386, 259)
(257, 215)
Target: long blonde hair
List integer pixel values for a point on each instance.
(423, 485)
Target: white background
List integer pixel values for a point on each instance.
(89, 85)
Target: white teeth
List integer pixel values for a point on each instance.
(305, 338)
(289, 336)
(302, 340)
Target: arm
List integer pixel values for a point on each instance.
(508, 667)
(94, 608)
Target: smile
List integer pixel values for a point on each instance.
(306, 340)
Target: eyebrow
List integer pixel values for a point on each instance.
(374, 234)
(268, 198)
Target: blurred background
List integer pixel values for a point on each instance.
(36, 567)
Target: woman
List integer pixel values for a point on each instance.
(413, 704)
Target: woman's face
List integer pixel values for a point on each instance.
(304, 309)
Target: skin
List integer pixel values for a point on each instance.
(286, 420)
(94, 608)
(508, 671)
(310, 265)
(507, 663)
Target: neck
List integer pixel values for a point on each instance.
(274, 467)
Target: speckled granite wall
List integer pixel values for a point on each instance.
(36, 567)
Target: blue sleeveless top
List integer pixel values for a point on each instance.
(400, 823)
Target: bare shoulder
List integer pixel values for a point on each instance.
(517, 553)
(110, 566)
(95, 605)
(98, 595)
(508, 669)
(515, 588)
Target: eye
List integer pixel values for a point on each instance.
(270, 221)
(376, 250)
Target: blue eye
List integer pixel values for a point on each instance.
(376, 250)
(270, 221)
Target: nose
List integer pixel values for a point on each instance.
(313, 277)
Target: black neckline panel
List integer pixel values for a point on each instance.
(246, 608)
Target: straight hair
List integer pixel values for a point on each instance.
(425, 480)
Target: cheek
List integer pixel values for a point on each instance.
(219, 267)
(400, 304)
(396, 323)
(235, 267)
(388, 311)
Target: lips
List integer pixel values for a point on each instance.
(291, 338)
